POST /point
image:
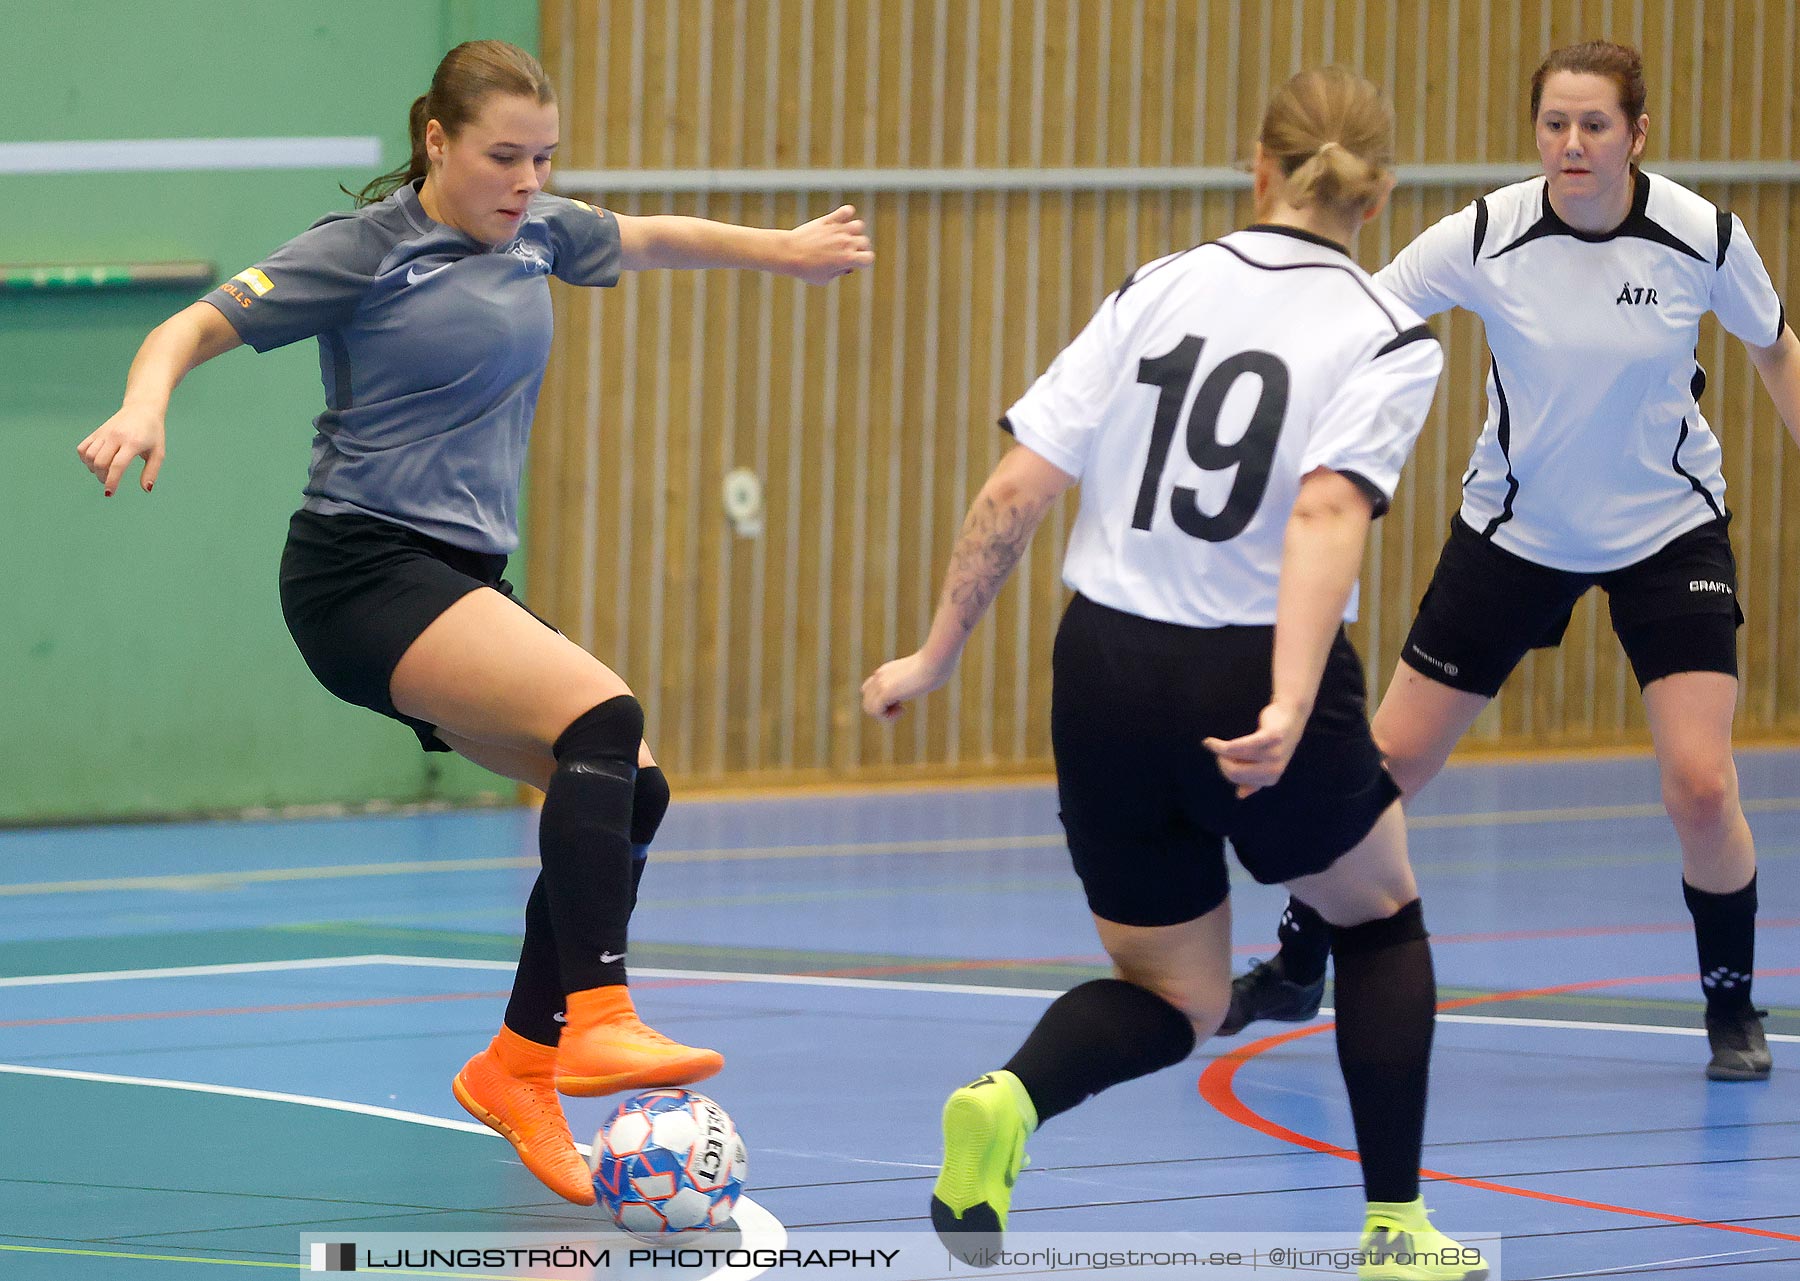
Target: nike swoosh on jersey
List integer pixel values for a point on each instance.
(607, 958)
(414, 275)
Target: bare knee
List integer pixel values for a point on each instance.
(1412, 759)
(1370, 882)
(1419, 723)
(1411, 771)
(1203, 1004)
(1698, 795)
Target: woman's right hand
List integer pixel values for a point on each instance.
(133, 432)
(896, 683)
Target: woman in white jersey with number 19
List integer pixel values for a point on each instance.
(1595, 467)
(1237, 413)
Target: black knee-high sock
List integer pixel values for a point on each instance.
(1095, 1036)
(649, 802)
(584, 837)
(537, 991)
(1725, 938)
(1305, 940)
(537, 994)
(1386, 1010)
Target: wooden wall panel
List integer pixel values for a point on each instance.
(867, 408)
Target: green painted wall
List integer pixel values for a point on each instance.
(144, 667)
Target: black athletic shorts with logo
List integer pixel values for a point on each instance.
(1145, 807)
(356, 593)
(1674, 611)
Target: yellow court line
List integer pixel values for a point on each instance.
(233, 880)
(155, 1258)
(208, 881)
(264, 876)
(245, 1263)
(1580, 814)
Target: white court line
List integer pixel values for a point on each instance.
(1571, 1025)
(140, 155)
(782, 980)
(266, 1096)
(1624, 1269)
(188, 971)
(761, 1230)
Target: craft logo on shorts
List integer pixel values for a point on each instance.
(333, 1256)
(259, 283)
(1709, 585)
(1448, 669)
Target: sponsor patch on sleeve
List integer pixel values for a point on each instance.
(259, 283)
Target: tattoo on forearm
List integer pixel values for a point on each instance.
(993, 539)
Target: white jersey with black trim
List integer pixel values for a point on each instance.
(1196, 400)
(1595, 454)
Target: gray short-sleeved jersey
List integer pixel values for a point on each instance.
(432, 347)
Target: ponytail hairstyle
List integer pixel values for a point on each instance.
(1333, 138)
(463, 80)
(1619, 63)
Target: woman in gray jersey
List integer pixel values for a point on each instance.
(1595, 467)
(431, 306)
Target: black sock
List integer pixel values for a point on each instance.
(1095, 1036)
(1305, 939)
(1386, 1001)
(584, 837)
(649, 802)
(537, 991)
(1725, 938)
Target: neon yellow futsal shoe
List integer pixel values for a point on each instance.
(985, 1127)
(1399, 1244)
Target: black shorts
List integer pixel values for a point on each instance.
(1145, 807)
(356, 593)
(1674, 611)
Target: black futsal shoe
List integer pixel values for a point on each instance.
(1740, 1051)
(1264, 991)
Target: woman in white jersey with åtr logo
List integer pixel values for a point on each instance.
(1237, 415)
(431, 305)
(1595, 467)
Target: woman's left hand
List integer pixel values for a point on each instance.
(1258, 759)
(828, 247)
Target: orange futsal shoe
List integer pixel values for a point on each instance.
(510, 1087)
(605, 1048)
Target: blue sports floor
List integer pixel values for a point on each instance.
(216, 1038)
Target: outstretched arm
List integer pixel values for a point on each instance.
(816, 252)
(1779, 367)
(994, 535)
(186, 340)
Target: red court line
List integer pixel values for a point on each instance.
(926, 966)
(254, 1009)
(1216, 1088)
(1599, 931)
